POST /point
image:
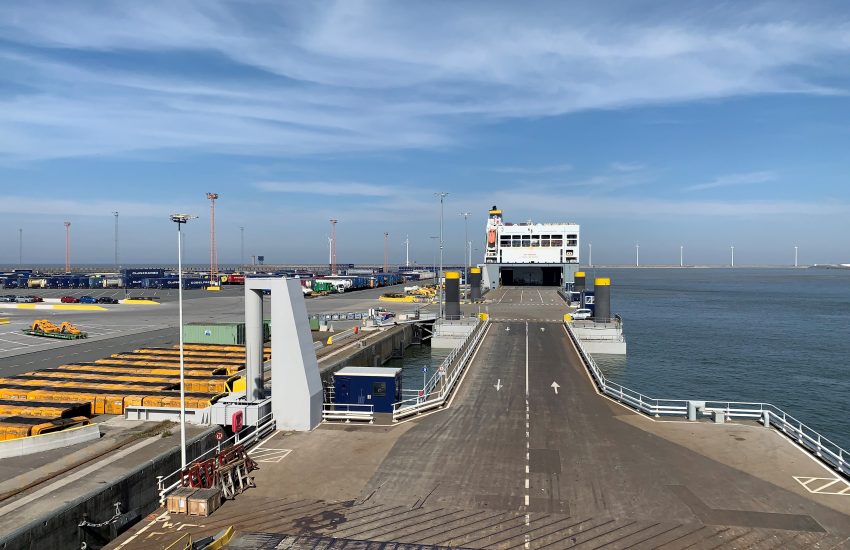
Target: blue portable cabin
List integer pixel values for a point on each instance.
(587, 300)
(376, 386)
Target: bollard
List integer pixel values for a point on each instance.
(765, 418)
(693, 409)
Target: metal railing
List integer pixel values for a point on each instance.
(348, 412)
(769, 415)
(441, 384)
(248, 436)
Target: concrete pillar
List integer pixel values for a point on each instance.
(452, 295)
(765, 419)
(254, 345)
(475, 284)
(296, 385)
(602, 300)
(579, 282)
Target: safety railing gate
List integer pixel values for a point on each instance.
(769, 415)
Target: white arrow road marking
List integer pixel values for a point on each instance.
(555, 387)
(542, 329)
(498, 384)
(507, 329)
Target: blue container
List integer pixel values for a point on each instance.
(376, 386)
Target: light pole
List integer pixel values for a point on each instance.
(637, 255)
(589, 254)
(795, 256)
(681, 256)
(386, 252)
(733, 255)
(466, 244)
(435, 254)
(21, 247)
(407, 251)
(180, 219)
(241, 246)
(117, 268)
(442, 196)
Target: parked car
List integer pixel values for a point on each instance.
(580, 314)
(107, 300)
(8, 298)
(88, 300)
(24, 300)
(69, 300)
(36, 298)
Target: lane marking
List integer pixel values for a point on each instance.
(527, 445)
(817, 486)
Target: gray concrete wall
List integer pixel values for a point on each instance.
(136, 491)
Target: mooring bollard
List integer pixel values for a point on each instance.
(765, 418)
(693, 409)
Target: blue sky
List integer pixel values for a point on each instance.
(665, 123)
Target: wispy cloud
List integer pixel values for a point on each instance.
(296, 78)
(549, 169)
(333, 188)
(626, 166)
(733, 180)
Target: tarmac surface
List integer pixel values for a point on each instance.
(528, 455)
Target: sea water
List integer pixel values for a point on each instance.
(780, 336)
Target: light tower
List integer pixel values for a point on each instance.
(589, 254)
(241, 247)
(386, 266)
(21, 246)
(733, 255)
(637, 255)
(407, 250)
(116, 240)
(181, 219)
(681, 255)
(333, 247)
(466, 244)
(442, 196)
(67, 247)
(795, 257)
(213, 254)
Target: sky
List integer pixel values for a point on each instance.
(668, 124)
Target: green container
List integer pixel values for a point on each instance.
(214, 333)
(314, 322)
(267, 330)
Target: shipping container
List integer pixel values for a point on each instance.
(214, 333)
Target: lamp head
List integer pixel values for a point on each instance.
(182, 218)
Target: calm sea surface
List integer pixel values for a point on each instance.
(780, 336)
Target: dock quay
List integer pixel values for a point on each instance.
(530, 454)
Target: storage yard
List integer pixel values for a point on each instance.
(130, 359)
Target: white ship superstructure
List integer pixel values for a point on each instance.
(536, 254)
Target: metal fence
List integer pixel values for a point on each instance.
(248, 436)
(441, 384)
(769, 415)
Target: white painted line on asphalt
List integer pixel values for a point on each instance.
(541, 296)
(520, 296)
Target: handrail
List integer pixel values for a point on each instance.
(438, 389)
(827, 451)
(260, 428)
